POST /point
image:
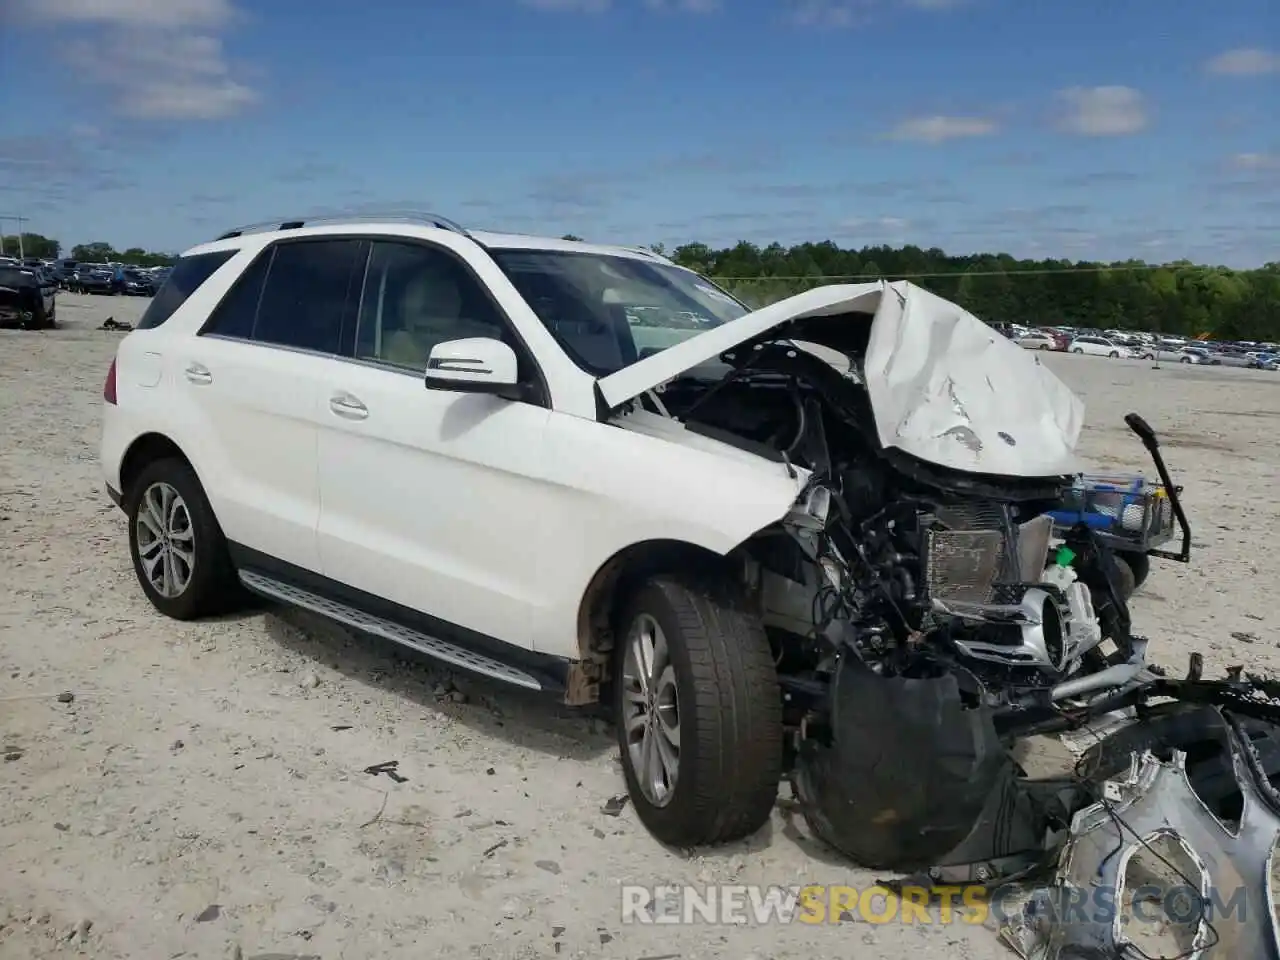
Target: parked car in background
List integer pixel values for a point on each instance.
(1235, 358)
(1197, 354)
(93, 278)
(1037, 340)
(1061, 339)
(1100, 347)
(1166, 354)
(1268, 361)
(63, 270)
(138, 283)
(27, 300)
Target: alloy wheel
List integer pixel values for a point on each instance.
(166, 540)
(651, 710)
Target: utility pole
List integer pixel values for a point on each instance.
(19, 221)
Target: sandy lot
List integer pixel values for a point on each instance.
(201, 793)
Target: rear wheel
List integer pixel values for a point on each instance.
(178, 550)
(698, 712)
(1113, 355)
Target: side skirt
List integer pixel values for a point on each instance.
(442, 641)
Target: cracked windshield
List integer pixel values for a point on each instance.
(639, 480)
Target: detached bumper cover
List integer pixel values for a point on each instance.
(1225, 906)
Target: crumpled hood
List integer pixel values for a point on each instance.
(944, 386)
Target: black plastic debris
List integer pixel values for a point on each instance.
(615, 805)
(907, 773)
(388, 769)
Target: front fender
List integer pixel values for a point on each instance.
(631, 488)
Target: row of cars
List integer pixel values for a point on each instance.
(29, 287)
(1118, 344)
(109, 278)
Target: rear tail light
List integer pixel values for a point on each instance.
(109, 388)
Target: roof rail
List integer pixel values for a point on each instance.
(397, 216)
(646, 251)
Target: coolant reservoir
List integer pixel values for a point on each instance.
(1060, 573)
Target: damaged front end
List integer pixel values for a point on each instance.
(929, 607)
(921, 614)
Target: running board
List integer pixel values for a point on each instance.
(442, 650)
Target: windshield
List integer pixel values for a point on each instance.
(607, 312)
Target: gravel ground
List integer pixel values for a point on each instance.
(196, 790)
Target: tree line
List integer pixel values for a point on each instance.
(46, 248)
(1177, 298)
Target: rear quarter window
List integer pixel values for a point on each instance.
(186, 277)
(13, 277)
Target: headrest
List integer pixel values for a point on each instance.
(429, 295)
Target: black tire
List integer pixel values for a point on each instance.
(729, 710)
(1045, 346)
(1128, 582)
(212, 586)
(1139, 565)
(1184, 359)
(1113, 355)
(1078, 350)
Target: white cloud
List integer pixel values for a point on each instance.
(685, 6)
(136, 13)
(568, 6)
(1256, 161)
(1244, 62)
(939, 129)
(1102, 111)
(156, 60)
(851, 13)
(891, 224)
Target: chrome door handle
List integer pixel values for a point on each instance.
(348, 407)
(198, 373)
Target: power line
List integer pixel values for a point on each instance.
(1038, 271)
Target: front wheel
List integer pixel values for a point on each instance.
(699, 714)
(178, 549)
(1078, 350)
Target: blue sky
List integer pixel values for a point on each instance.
(1082, 129)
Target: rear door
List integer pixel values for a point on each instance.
(253, 379)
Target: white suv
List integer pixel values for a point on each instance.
(579, 468)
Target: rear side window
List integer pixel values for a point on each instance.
(187, 275)
(235, 315)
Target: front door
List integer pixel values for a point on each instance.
(434, 500)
